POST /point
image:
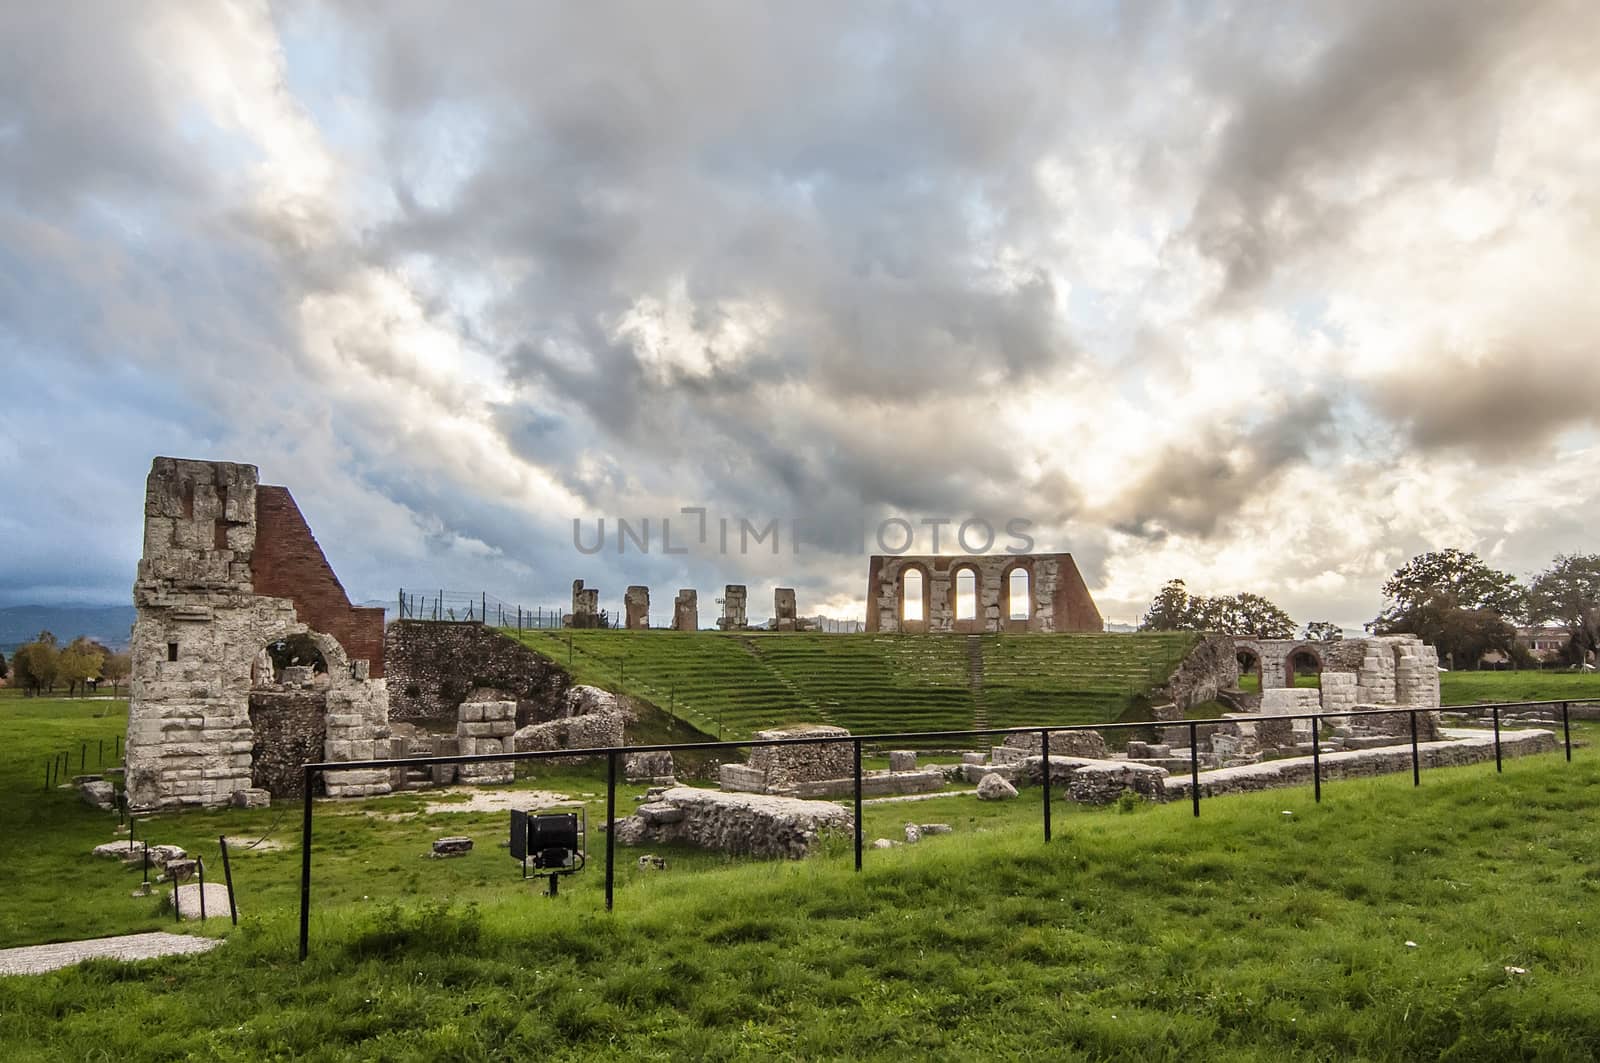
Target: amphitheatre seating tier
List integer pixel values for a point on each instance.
(736, 683)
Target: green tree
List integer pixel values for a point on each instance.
(1568, 593)
(1451, 599)
(79, 663)
(1175, 609)
(1244, 614)
(1171, 609)
(35, 664)
(4, 671)
(1322, 631)
(116, 668)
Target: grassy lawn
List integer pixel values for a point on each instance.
(1246, 934)
(1465, 688)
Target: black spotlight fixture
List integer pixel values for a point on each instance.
(550, 843)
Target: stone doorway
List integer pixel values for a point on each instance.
(289, 729)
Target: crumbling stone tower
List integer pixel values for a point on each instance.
(229, 568)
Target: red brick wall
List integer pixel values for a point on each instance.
(288, 563)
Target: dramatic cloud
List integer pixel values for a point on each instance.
(1264, 297)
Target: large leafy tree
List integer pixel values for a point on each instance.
(35, 664)
(1568, 593)
(4, 671)
(1175, 609)
(1451, 599)
(79, 663)
(1322, 631)
(115, 669)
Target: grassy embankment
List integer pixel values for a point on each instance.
(1245, 934)
(737, 683)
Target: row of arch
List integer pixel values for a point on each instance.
(1302, 660)
(966, 591)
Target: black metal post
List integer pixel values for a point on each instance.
(146, 863)
(1566, 730)
(227, 877)
(1194, 766)
(611, 824)
(1316, 756)
(1497, 764)
(83, 757)
(1416, 755)
(200, 869)
(118, 753)
(1044, 772)
(100, 755)
(857, 745)
(47, 776)
(305, 868)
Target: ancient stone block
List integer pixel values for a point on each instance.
(994, 788)
(733, 608)
(686, 611)
(636, 608)
(739, 824)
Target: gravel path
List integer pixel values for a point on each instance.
(37, 959)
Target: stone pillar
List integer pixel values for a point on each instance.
(783, 608)
(733, 608)
(1375, 680)
(636, 605)
(686, 611)
(585, 606)
(1339, 693)
(358, 729)
(486, 727)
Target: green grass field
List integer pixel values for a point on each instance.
(1466, 688)
(733, 684)
(1381, 923)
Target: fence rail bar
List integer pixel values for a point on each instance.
(612, 752)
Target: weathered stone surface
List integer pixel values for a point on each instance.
(99, 793)
(189, 904)
(252, 798)
(585, 606)
(733, 616)
(230, 567)
(785, 617)
(913, 834)
(994, 788)
(452, 846)
(1063, 743)
(1057, 599)
(590, 731)
(1458, 747)
(935, 828)
(648, 767)
(902, 760)
(740, 824)
(636, 608)
(882, 843)
(686, 611)
(485, 728)
(436, 666)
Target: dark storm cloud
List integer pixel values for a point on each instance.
(1195, 485)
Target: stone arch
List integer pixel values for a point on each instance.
(968, 624)
(1249, 658)
(1009, 606)
(922, 596)
(1301, 651)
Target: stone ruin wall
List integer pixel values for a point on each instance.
(1059, 600)
(1369, 673)
(228, 567)
(434, 665)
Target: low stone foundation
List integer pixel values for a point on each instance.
(737, 824)
(1460, 747)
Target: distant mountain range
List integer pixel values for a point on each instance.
(107, 624)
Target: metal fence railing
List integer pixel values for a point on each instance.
(471, 607)
(612, 753)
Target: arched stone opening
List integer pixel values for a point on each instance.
(966, 599)
(288, 708)
(1302, 667)
(1016, 598)
(914, 598)
(1249, 670)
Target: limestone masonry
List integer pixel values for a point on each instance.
(1055, 599)
(229, 569)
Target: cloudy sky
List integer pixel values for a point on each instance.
(1266, 296)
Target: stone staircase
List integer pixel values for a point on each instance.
(980, 706)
